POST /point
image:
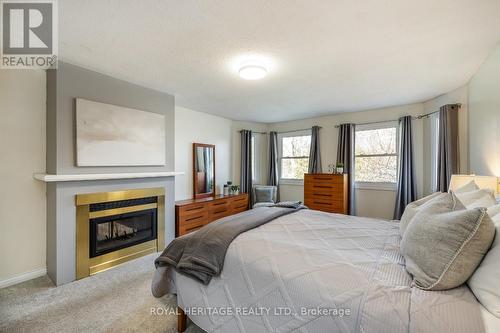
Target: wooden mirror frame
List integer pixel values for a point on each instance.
(195, 179)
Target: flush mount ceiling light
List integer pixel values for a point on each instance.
(252, 71)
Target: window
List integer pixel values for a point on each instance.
(376, 153)
(434, 125)
(255, 158)
(294, 155)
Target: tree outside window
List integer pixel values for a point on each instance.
(294, 159)
(376, 153)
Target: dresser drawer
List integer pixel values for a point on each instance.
(240, 199)
(329, 195)
(327, 208)
(239, 204)
(187, 229)
(240, 207)
(324, 179)
(192, 222)
(218, 209)
(323, 200)
(217, 204)
(325, 205)
(323, 188)
(193, 209)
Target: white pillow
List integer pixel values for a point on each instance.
(485, 282)
(478, 198)
(470, 186)
(494, 212)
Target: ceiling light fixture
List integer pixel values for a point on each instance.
(250, 71)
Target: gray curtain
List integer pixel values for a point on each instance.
(345, 155)
(246, 164)
(448, 148)
(314, 153)
(273, 177)
(407, 186)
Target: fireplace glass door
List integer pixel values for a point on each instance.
(115, 232)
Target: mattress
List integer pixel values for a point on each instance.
(318, 272)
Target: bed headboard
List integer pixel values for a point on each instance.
(482, 181)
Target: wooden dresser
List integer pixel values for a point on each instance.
(192, 214)
(327, 192)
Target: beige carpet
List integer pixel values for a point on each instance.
(117, 300)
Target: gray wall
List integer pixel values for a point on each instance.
(64, 85)
(69, 82)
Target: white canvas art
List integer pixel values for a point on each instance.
(110, 135)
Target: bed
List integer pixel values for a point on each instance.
(319, 272)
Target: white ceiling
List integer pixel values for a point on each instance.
(327, 56)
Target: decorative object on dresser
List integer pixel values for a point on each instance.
(327, 192)
(192, 214)
(234, 189)
(203, 170)
(332, 168)
(340, 168)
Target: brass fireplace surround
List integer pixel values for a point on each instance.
(86, 266)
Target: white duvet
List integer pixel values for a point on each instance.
(319, 272)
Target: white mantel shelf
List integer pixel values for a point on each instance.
(48, 178)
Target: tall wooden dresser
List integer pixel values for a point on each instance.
(192, 214)
(327, 192)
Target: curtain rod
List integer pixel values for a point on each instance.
(297, 130)
(372, 122)
(291, 131)
(414, 118)
(431, 113)
(252, 132)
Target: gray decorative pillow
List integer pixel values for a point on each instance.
(264, 194)
(289, 204)
(413, 208)
(445, 243)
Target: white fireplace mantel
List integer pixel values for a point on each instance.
(50, 178)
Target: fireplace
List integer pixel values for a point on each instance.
(118, 231)
(114, 227)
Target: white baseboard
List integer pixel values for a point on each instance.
(18, 278)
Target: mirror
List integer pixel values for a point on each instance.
(203, 170)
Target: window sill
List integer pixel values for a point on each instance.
(294, 182)
(375, 186)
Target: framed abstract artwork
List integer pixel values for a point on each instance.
(110, 135)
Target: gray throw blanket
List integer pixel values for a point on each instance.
(200, 255)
